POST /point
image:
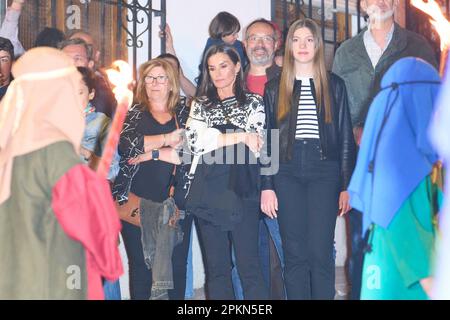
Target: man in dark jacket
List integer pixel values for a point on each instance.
(361, 62)
(260, 44)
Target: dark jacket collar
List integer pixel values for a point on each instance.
(271, 72)
(397, 44)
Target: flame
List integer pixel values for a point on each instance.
(121, 76)
(438, 20)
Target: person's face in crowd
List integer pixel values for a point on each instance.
(84, 93)
(303, 46)
(157, 84)
(5, 67)
(379, 10)
(260, 44)
(278, 61)
(230, 39)
(79, 55)
(90, 41)
(222, 71)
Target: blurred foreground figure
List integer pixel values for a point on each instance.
(440, 136)
(393, 185)
(58, 225)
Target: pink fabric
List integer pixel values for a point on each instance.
(85, 209)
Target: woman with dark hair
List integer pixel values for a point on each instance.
(317, 155)
(225, 121)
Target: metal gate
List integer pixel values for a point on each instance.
(121, 28)
(333, 16)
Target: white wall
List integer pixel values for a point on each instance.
(189, 21)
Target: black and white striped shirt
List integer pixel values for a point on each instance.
(307, 122)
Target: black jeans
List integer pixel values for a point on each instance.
(140, 276)
(308, 191)
(179, 261)
(217, 256)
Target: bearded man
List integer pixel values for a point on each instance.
(362, 62)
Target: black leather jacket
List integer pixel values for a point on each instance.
(336, 138)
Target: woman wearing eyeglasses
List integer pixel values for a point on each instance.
(152, 131)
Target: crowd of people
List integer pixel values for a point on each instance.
(262, 152)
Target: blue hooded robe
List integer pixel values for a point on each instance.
(395, 153)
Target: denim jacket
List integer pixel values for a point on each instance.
(158, 241)
(94, 139)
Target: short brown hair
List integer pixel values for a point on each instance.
(173, 78)
(223, 24)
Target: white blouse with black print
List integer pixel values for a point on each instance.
(201, 127)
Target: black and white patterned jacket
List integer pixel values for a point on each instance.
(201, 127)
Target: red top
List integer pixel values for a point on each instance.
(84, 207)
(256, 84)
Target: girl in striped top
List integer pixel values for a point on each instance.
(307, 124)
(317, 154)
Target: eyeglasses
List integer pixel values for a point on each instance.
(159, 79)
(5, 60)
(265, 39)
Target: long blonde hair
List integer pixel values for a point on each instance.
(173, 79)
(288, 74)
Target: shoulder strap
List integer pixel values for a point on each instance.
(172, 178)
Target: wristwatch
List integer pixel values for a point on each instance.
(155, 154)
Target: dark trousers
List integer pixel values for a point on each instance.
(308, 191)
(217, 256)
(355, 265)
(179, 261)
(270, 254)
(140, 276)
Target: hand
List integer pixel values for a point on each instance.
(357, 133)
(86, 153)
(175, 138)
(17, 4)
(427, 285)
(165, 154)
(344, 203)
(169, 155)
(269, 203)
(254, 141)
(169, 39)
